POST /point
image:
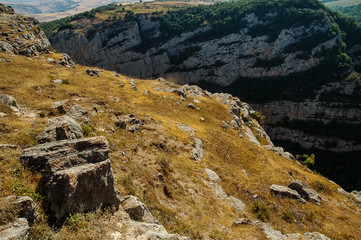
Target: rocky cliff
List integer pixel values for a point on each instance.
(92, 154)
(292, 61)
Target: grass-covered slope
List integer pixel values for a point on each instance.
(183, 202)
(352, 11)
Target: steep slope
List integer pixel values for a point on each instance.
(291, 59)
(199, 161)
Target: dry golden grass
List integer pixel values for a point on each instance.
(183, 202)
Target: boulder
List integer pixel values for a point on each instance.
(197, 152)
(137, 210)
(8, 100)
(213, 175)
(26, 207)
(76, 175)
(79, 114)
(133, 84)
(62, 106)
(286, 192)
(54, 156)
(66, 61)
(315, 236)
(129, 122)
(17, 230)
(93, 72)
(61, 128)
(191, 106)
(305, 191)
(80, 189)
(356, 195)
(237, 204)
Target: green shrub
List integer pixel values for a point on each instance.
(306, 159)
(87, 129)
(288, 216)
(261, 210)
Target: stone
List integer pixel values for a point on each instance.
(8, 100)
(180, 93)
(286, 192)
(62, 106)
(81, 188)
(213, 176)
(17, 230)
(224, 125)
(202, 119)
(137, 210)
(197, 152)
(146, 92)
(244, 172)
(26, 207)
(55, 156)
(57, 81)
(116, 75)
(191, 106)
(93, 72)
(356, 195)
(60, 128)
(5, 60)
(9, 146)
(133, 84)
(66, 61)
(2, 114)
(128, 122)
(79, 114)
(51, 60)
(315, 236)
(305, 191)
(237, 204)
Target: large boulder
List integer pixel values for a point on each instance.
(286, 192)
(305, 191)
(137, 210)
(61, 128)
(62, 106)
(17, 230)
(77, 176)
(80, 189)
(93, 72)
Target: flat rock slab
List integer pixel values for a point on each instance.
(306, 191)
(17, 230)
(286, 192)
(137, 210)
(59, 155)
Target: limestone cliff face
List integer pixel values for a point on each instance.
(186, 57)
(21, 35)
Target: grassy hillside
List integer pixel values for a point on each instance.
(184, 203)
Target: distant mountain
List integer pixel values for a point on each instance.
(352, 11)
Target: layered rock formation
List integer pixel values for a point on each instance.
(23, 35)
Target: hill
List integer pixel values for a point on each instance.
(352, 11)
(199, 161)
(295, 61)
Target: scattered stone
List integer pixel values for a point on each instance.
(224, 125)
(357, 196)
(57, 81)
(79, 114)
(26, 206)
(197, 152)
(196, 101)
(2, 114)
(8, 100)
(191, 105)
(133, 84)
(9, 146)
(121, 85)
(240, 135)
(111, 128)
(60, 128)
(202, 119)
(146, 92)
(305, 191)
(66, 61)
(185, 128)
(93, 72)
(244, 173)
(62, 106)
(160, 79)
(237, 204)
(180, 93)
(315, 236)
(5, 60)
(286, 192)
(17, 230)
(116, 75)
(182, 99)
(51, 60)
(77, 176)
(137, 210)
(213, 175)
(128, 122)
